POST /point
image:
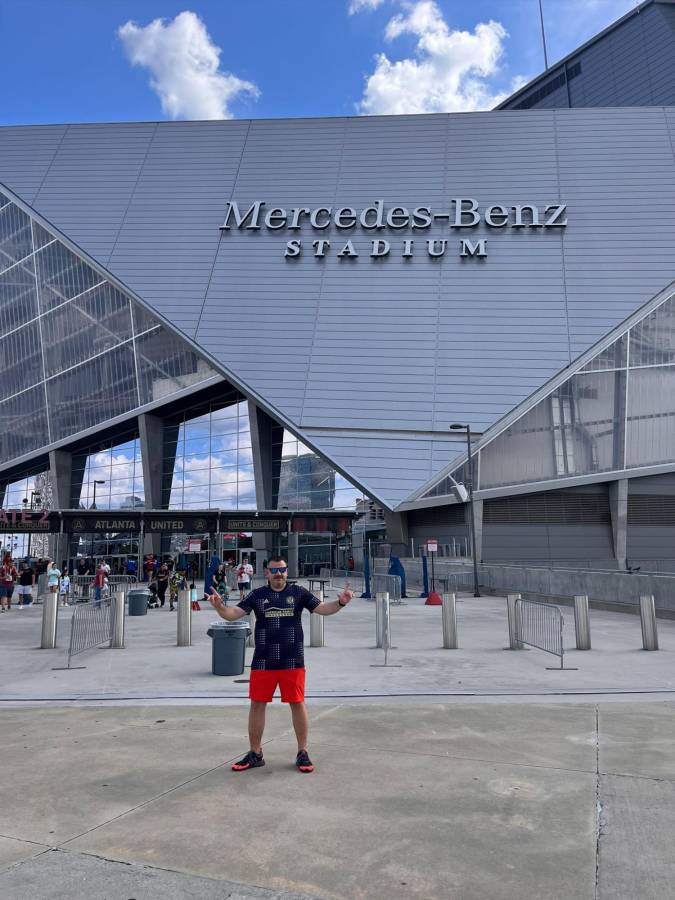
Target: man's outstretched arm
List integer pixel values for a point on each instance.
(330, 607)
(231, 613)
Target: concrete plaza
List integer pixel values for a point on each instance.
(465, 774)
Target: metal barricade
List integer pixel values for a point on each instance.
(457, 581)
(389, 584)
(82, 585)
(351, 576)
(540, 625)
(90, 626)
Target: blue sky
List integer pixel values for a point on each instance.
(68, 61)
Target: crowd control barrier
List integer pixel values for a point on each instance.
(390, 584)
(540, 625)
(90, 627)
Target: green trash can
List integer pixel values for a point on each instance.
(228, 646)
(138, 601)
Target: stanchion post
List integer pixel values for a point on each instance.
(512, 611)
(379, 606)
(250, 640)
(449, 616)
(316, 626)
(650, 637)
(118, 598)
(184, 619)
(582, 622)
(50, 617)
(386, 626)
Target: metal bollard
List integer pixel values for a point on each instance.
(511, 608)
(386, 626)
(650, 637)
(118, 598)
(582, 622)
(250, 640)
(449, 616)
(316, 627)
(184, 619)
(50, 617)
(380, 597)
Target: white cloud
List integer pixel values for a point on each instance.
(448, 72)
(184, 65)
(357, 5)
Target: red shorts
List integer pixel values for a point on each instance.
(264, 682)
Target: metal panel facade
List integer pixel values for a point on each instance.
(371, 359)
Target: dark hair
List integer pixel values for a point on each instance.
(276, 559)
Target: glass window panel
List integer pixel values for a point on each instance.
(650, 432)
(143, 320)
(197, 446)
(652, 341)
(226, 458)
(574, 431)
(197, 462)
(92, 393)
(223, 443)
(167, 364)
(88, 325)
(613, 357)
(24, 424)
(18, 296)
(21, 359)
(224, 426)
(62, 275)
(16, 240)
(41, 236)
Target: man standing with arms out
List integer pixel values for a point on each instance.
(279, 654)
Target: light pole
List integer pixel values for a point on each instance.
(468, 482)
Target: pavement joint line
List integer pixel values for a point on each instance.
(596, 692)
(156, 868)
(659, 779)
(598, 804)
(62, 844)
(13, 837)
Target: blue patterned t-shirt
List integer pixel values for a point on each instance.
(279, 639)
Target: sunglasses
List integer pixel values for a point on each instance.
(277, 570)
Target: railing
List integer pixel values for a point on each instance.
(81, 585)
(540, 625)
(388, 584)
(351, 576)
(459, 581)
(90, 626)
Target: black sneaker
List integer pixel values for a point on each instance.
(252, 760)
(303, 762)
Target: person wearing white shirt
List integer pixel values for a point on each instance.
(244, 574)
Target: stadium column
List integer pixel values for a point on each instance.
(618, 508)
(266, 444)
(61, 476)
(396, 525)
(151, 433)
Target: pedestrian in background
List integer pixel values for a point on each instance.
(64, 588)
(244, 573)
(26, 585)
(53, 576)
(162, 583)
(8, 576)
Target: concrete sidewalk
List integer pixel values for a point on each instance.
(494, 801)
(153, 668)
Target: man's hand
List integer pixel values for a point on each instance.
(346, 595)
(215, 599)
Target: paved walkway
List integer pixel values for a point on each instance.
(407, 801)
(467, 775)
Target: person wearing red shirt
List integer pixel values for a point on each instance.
(8, 576)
